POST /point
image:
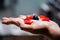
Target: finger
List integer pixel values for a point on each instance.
(23, 25)
(5, 20)
(14, 21)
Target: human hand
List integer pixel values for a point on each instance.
(36, 25)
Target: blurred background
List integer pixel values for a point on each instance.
(14, 8)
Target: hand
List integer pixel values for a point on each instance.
(20, 20)
(35, 27)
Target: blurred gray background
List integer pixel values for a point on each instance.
(19, 7)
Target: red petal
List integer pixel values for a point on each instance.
(47, 19)
(27, 21)
(29, 17)
(42, 17)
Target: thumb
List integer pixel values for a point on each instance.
(53, 28)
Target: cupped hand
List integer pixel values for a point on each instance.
(36, 25)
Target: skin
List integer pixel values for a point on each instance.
(52, 27)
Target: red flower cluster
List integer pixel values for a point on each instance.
(29, 18)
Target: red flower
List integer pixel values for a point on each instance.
(28, 19)
(44, 18)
